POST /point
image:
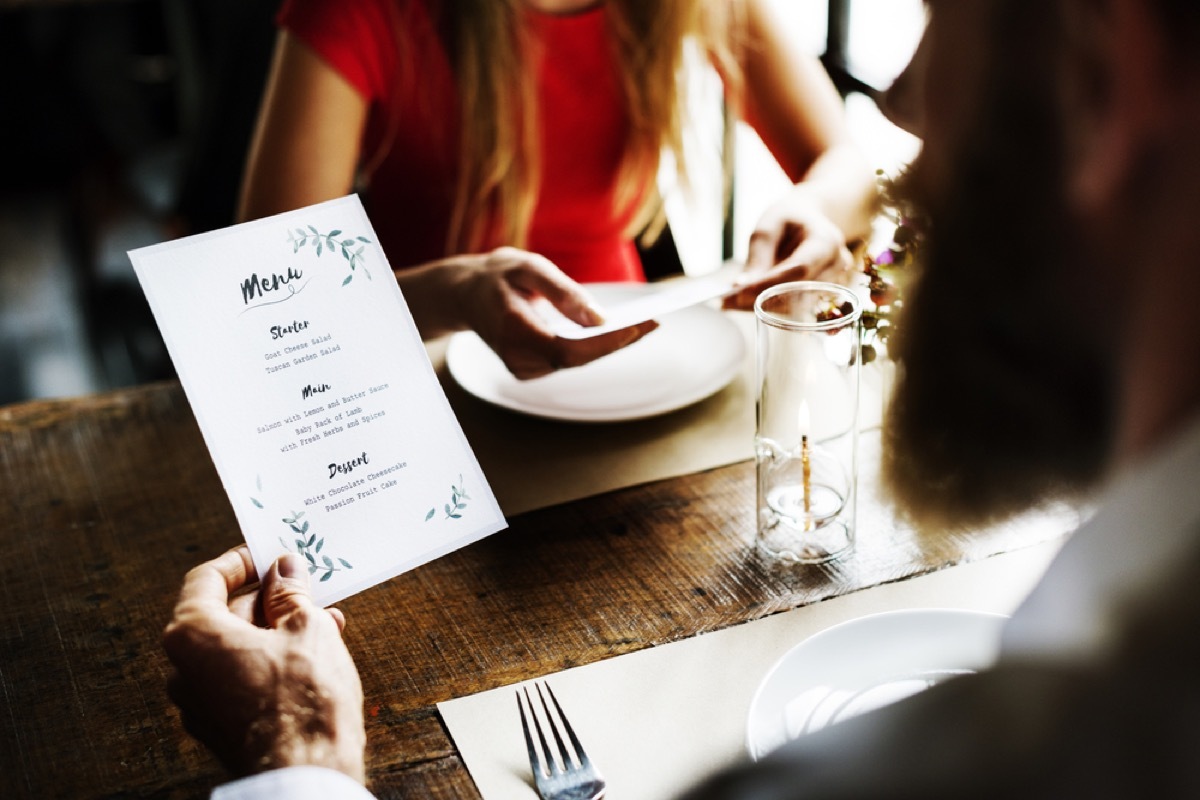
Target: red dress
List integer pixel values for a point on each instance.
(582, 115)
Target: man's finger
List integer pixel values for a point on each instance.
(202, 611)
(244, 605)
(210, 585)
(338, 617)
(285, 593)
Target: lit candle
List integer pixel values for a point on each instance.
(802, 423)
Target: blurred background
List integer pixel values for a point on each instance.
(126, 123)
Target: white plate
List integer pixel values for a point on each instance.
(864, 664)
(693, 354)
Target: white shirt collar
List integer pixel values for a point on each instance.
(1148, 518)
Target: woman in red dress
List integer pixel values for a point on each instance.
(507, 149)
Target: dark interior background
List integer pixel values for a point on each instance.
(126, 123)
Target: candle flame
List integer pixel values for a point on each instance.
(803, 421)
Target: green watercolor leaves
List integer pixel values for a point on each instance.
(329, 242)
(310, 548)
(454, 508)
(307, 544)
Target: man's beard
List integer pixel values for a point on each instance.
(1002, 400)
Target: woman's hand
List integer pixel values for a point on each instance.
(793, 241)
(262, 677)
(495, 294)
(789, 99)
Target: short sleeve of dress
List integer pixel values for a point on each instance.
(356, 38)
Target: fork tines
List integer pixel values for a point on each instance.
(560, 773)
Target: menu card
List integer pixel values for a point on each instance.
(671, 296)
(315, 396)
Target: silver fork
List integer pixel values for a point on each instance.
(556, 774)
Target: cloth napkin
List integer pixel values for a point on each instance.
(658, 720)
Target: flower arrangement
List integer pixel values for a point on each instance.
(887, 271)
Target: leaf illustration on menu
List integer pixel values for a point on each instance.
(307, 544)
(258, 485)
(329, 243)
(454, 508)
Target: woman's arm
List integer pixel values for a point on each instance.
(306, 143)
(793, 106)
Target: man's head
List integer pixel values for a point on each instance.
(1046, 179)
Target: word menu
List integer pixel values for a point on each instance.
(315, 396)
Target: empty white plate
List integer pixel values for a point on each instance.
(693, 354)
(863, 664)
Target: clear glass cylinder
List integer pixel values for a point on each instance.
(806, 439)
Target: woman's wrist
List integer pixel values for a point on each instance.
(437, 294)
(842, 186)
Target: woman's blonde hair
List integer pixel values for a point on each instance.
(500, 168)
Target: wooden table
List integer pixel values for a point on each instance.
(109, 500)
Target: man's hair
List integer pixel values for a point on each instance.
(1002, 403)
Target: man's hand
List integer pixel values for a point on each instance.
(262, 676)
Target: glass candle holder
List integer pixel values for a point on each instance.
(806, 438)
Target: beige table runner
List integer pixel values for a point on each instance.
(533, 463)
(658, 719)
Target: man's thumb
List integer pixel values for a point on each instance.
(285, 596)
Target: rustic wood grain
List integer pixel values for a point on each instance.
(108, 500)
